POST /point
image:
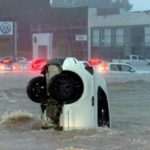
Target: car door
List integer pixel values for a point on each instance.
(142, 60)
(134, 60)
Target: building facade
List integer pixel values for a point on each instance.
(69, 27)
(83, 32)
(115, 36)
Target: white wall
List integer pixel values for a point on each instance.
(122, 19)
(42, 39)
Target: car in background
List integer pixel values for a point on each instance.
(94, 61)
(13, 63)
(37, 64)
(115, 68)
(134, 60)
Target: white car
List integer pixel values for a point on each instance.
(115, 68)
(72, 93)
(134, 60)
(120, 69)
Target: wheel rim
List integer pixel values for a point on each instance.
(61, 88)
(36, 89)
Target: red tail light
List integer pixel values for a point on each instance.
(94, 61)
(38, 64)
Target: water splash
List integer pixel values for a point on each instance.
(15, 117)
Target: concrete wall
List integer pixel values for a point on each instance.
(43, 40)
(122, 19)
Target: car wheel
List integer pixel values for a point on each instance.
(61, 88)
(36, 89)
(103, 121)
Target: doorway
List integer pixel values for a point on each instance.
(42, 51)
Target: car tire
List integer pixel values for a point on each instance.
(61, 88)
(36, 89)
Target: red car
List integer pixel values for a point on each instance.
(37, 64)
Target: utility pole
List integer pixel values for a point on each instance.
(89, 43)
(15, 40)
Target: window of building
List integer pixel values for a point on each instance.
(147, 36)
(95, 38)
(119, 37)
(107, 37)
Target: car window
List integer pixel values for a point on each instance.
(6, 58)
(127, 68)
(115, 67)
(20, 58)
(141, 58)
(134, 57)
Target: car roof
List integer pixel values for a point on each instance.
(119, 63)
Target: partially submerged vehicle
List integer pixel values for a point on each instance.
(72, 94)
(116, 68)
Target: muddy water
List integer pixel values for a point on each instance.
(130, 113)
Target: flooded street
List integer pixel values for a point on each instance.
(130, 115)
(73, 43)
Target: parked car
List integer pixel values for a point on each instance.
(134, 60)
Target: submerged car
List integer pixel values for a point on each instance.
(115, 68)
(72, 95)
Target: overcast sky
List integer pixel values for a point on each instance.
(140, 4)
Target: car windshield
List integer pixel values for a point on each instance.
(127, 68)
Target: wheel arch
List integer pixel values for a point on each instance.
(102, 105)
